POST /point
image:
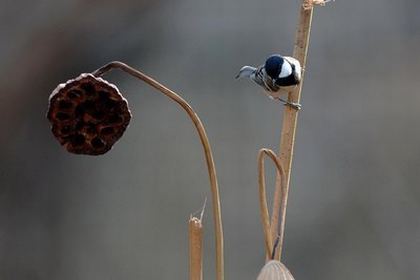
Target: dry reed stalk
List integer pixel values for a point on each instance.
(269, 244)
(195, 237)
(206, 147)
(290, 115)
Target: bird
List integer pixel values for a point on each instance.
(277, 76)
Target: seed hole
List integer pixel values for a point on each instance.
(99, 115)
(65, 129)
(78, 140)
(61, 116)
(107, 130)
(79, 125)
(89, 105)
(85, 107)
(110, 104)
(88, 88)
(90, 128)
(103, 95)
(74, 94)
(63, 104)
(80, 110)
(115, 119)
(97, 143)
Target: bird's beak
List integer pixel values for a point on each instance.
(245, 71)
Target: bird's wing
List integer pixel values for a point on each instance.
(262, 79)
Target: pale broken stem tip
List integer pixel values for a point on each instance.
(309, 4)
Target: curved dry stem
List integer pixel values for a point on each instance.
(279, 204)
(204, 141)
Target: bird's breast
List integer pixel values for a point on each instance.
(287, 81)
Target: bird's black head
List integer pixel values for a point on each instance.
(273, 66)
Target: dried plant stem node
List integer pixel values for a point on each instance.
(275, 270)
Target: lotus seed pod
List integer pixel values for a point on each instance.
(275, 270)
(88, 115)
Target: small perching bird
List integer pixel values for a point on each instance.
(277, 76)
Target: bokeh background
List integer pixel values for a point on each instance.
(355, 195)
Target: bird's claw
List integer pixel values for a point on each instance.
(294, 105)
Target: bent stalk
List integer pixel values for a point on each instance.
(206, 147)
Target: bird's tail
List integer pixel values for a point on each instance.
(246, 71)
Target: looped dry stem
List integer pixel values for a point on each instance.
(279, 205)
(309, 4)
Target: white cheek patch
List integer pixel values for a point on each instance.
(296, 64)
(286, 70)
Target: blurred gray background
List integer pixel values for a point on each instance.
(355, 196)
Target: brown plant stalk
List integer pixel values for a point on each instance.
(290, 115)
(265, 218)
(195, 241)
(206, 147)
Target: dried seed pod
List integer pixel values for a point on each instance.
(275, 270)
(88, 115)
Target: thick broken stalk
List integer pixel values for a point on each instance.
(206, 147)
(195, 237)
(290, 115)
